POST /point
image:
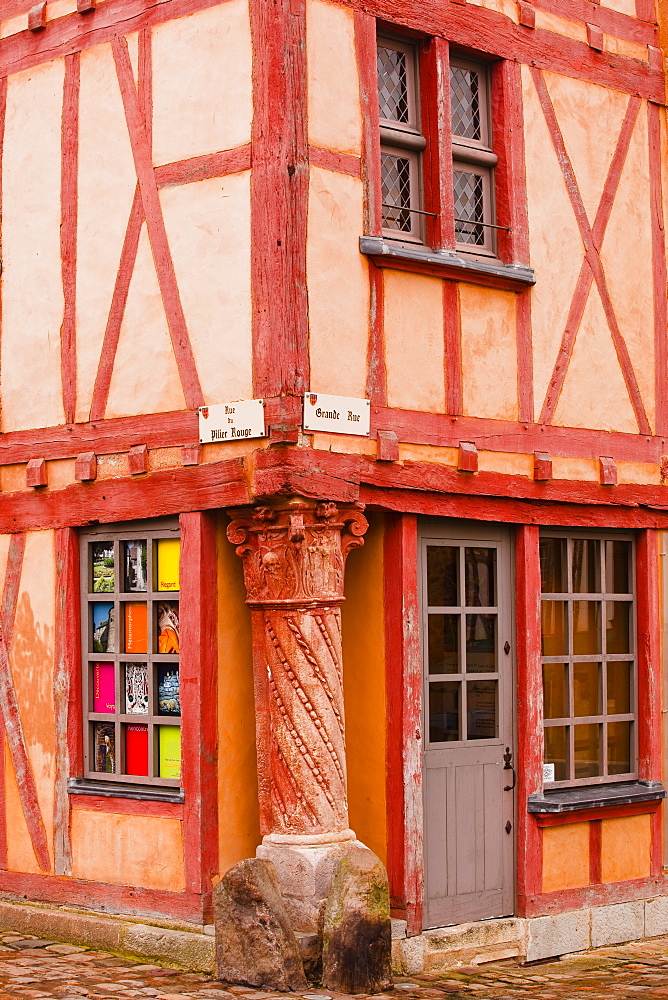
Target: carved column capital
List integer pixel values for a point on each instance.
(294, 552)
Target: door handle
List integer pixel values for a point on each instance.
(508, 766)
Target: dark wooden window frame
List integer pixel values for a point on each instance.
(603, 718)
(119, 718)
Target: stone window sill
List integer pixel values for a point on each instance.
(567, 800)
(118, 790)
(446, 264)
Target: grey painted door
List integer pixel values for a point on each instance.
(467, 641)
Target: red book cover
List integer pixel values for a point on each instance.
(136, 750)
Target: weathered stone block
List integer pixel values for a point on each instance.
(255, 942)
(356, 939)
(558, 935)
(616, 923)
(656, 916)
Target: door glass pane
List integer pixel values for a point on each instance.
(555, 690)
(617, 567)
(619, 747)
(586, 689)
(553, 565)
(444, 644)
(586, 627)
(587, 750)
(554, 640)
(586, 566)
(618, 631)
(480, 570)
(481, 710)
(442, 576)
(556, 745)
(481, 643)
(444, 711)
(619, 687)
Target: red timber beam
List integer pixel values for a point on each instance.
(199, 671)
(404, 719)
(10, 710)
(68, 232)
(279, 199)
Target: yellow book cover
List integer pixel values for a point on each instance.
(170, 752)
(169, 551)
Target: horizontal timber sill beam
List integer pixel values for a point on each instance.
(419, 427)
(612, 22)
(445, 264)
(548, 903)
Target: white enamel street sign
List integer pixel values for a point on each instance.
(235, 421)
(336, 414)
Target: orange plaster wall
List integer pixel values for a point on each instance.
(31, 660)
(565, 857)
(237, 767)
(414, 343)
(364, 689)
(334, 110)
(489, 352)
(625, 848)
(128, 850)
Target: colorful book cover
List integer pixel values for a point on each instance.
(169, 693)
(136, 688)
(102, 559)
(170, 751)
(104, 627)
(169, 551)
(136, 750)
(136, 628)
(105, 747)
(104, 693)
(168, 627)
(135, 566)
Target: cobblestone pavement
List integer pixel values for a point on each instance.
(32, 968)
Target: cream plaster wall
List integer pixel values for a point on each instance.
(338, 284)
(127, 850)
(623, 6)
(145, 378)
(489, 352)
(32, 293)
(571, 29)
(202, 88)
(414, 344)
(107, 182)
(31, 660)
(579, 106)
(629, 238)
(547, 201)
(208, 226)
(594, 393)
(334, 110)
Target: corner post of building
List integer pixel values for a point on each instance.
(294, 554)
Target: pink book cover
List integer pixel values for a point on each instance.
(104, 695)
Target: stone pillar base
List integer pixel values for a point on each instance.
(304, 868)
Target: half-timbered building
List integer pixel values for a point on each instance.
(443, 217)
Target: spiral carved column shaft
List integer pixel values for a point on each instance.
(294, 556)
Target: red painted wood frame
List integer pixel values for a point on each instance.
(199, 673)
(529, 712)
(405, 862)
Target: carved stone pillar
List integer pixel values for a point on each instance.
(294, 554)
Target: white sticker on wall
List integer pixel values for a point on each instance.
(548, 773)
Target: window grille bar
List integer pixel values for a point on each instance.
(474, 222)
(416, 211)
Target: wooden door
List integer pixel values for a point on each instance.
(467, 641)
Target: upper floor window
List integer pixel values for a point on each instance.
(405, 148)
